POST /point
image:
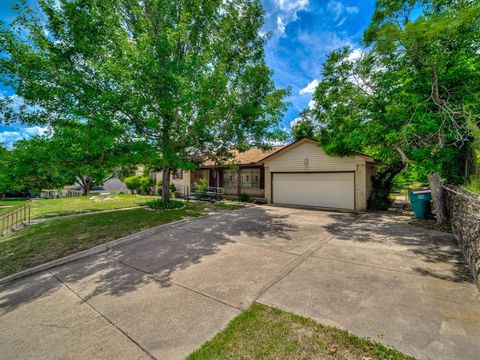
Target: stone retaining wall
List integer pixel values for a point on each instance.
(463, 210)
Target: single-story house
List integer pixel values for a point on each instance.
(297, 174)
(111, 186)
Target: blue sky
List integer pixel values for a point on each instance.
(303, 33)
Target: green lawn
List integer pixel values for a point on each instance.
(7, 205)
(83, 204)
(11, 202)
(50, 240)
(263, 332)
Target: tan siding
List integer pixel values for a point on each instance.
(294, 160)
(360, 199)
(179, 184)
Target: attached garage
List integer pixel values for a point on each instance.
(329, 190)
(303, 174)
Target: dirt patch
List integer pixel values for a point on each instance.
(430, 224)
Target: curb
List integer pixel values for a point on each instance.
(97, 249)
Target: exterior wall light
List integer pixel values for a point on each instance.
(305, 161)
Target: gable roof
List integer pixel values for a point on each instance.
(253, 156)
(249, 157)
(257, 156)
(312, 141)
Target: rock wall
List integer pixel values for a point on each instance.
(464, 213)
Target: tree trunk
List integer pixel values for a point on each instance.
(382, 186)
(87, 186)
(437, 196)
(166, 184)
(85, 183)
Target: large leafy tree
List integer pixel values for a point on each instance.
(187, 78)
(79, 153)
(90, 154)
(7, 183)
(33, 167)
(408, 98)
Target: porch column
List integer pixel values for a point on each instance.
(239, 181)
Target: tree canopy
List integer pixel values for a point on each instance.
(186, 78)
(407, 99)
(303, 127)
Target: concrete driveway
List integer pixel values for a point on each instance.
(163, 296)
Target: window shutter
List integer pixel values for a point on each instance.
(262, 178)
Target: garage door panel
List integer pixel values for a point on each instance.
(334, 190)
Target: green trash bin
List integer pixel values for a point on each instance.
(420, 202)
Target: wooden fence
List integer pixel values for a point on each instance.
(14, 219)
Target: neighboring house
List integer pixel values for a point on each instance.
(111, 186)
(296, 174)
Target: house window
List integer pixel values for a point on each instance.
(178, 175)
(229, 178)
(250, 178)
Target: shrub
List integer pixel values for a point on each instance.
(201, 186)
(244, 198)
(145, 183)
(474, 184)
(132, 183)
(159, 204)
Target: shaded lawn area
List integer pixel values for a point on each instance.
(263, 332)
(76, 205)
(50, 240)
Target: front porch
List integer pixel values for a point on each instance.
(248, 180)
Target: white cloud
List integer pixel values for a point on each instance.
(35, 130)
(10, 136)
(338, 9)
(311, 104)
(280, 26)
(341, 22)
(287, 12)
(352, 9)
(291, 5)
(355, 54)
(310, 88)
(295, 121)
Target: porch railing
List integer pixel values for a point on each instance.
(15, 219)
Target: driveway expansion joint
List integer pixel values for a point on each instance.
(292, 265)
(103, 316)
(158, 278)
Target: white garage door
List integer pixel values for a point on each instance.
(333, 190)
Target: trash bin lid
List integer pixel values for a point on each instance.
(416, 192)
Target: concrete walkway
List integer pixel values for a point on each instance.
(163, 296)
